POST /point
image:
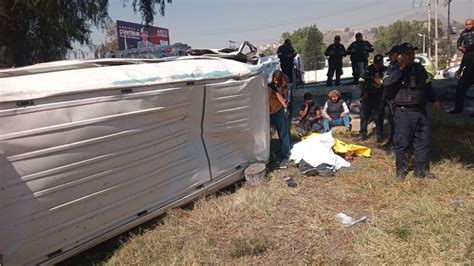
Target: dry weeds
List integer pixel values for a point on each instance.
(417, 221)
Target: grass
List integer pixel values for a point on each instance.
(414, 222)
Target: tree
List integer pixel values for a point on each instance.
(308, 41)
(405, 31)
(33, 31)
(396, 33)
(110, 44)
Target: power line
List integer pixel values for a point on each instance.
(289, 22)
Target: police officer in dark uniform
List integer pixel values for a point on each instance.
(372, 90)
(287, 55)
(392, 59)
(359, 52)
(465, 42)
(466, 74)
(335, 52)
(409, 86)
(466, 45)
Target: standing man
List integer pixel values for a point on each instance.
(465, 42)
(335, 52)
(409, 86)
(372, 90)
(287, 54)
(466, 45)
(359, 52)
(392, 59)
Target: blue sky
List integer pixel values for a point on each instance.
(212, 23)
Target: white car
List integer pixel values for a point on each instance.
(450, 72)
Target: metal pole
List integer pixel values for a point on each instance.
(429, 29)
(448, 35)
(436, 35)
(424, 43)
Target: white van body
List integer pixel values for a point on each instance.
(90, 149)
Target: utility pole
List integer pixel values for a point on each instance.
(448, 32)
(436, 35)
(421, 3)
(429, 29)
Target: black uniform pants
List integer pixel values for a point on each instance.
(386, 104)
(411, 126)
(334, 68)
(370, 108)
(464, 83)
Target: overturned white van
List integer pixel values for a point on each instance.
(89, 149)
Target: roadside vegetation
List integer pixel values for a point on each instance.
(416, 222)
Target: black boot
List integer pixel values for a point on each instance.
(360, 138)
(422, 173)
(329, 82)
(401, 174)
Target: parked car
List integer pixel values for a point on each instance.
(450, 72)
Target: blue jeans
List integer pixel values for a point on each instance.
(337, 122)
(280, 121)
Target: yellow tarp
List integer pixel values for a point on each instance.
(343, 148)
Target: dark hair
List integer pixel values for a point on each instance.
(337, 37)
(358, 34)
(288, 41)
(307, 96)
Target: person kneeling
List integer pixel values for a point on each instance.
(335, 112)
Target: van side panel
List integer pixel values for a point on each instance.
(71, 169)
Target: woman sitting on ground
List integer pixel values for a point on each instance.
(335, 112)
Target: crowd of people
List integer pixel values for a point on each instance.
(403, 89)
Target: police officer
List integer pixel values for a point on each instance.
(372, 90)
(287, 55)
(466, 45)
(392, 59)
(359, 52)
(409, 85)
(335, 52)
(465, 42)
(466, 74)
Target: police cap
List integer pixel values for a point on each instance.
(378, 58)
(407, 47)
(394, 49)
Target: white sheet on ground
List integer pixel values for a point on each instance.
(317, 150)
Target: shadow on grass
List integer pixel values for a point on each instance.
(102, 252)
(452, 139)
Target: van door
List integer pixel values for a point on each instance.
(236, 127)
